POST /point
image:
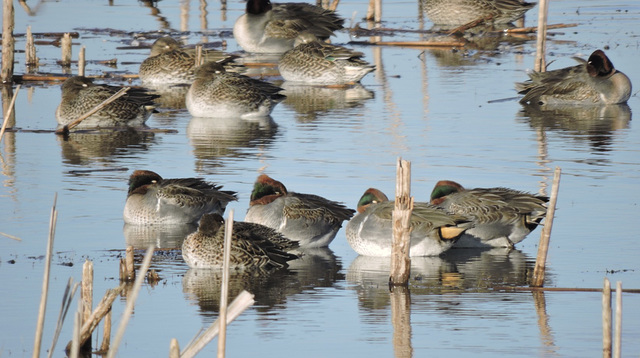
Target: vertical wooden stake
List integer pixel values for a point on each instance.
(8, 43)
(87, 297)
(545, 235)
(617, 347)
(401, 218)
(30, 50)
(378, 11)
(224, 292)
(81, 61)
(65, 45)
(45, 280)
(541, 43)
(606, 319)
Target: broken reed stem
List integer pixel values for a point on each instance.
(8, 114)
(554, 289)
(199, 57)
(224, 292)
(617, 346)
(525, 30)
(401, 218)
(334, 5)
(606, 319)
(126, 315)
(101, 310)
(470, 24)
(45, 280)
(377, 6)
(75, 339)
(106, 334)
(81, 61)
(174, 349)
(243, 301)
(67, 297)
(87, 296)
(419, 43)
(115, 96)
(8, 43)
(30, 50)
(129, 264)
(370, 11)
(65, 45)
(9, 235)
(540, 64)
(545, 235)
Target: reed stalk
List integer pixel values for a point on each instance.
(606, 319)
(142, 272)
(95, 109)
(540, 64)
(545, 235)
(67, 297)
(45, 280)
(8, 41)
(617, 346)
(6, 118)
(224, 292)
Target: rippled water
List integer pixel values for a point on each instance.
(439, 109)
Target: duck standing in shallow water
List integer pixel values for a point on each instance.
(460, 12)
(318, 63)
(80, 95)
(433, 230)
(311, 220)
(273, 28)
(169, 64)
(502, 217)
(592, 82)
(217, 93)
(253, 246)
(153, 200)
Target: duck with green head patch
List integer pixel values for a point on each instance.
(502, 217)
(309, 219)
(433, 230)
(152, 200)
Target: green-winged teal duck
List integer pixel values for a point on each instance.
(592, 82)
(459, 12)
(502, 217)
(80, 95)
(433, 230)
(318, 63)
(310, 219)
(273, 28)
(154, 200)
(253, 246)
(217, 93)
(170, 64)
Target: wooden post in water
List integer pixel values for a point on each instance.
(224, 292)
(606, 319)
(617, 346)
(8, 42)
(65, 45)
(540, 64)
(401, 218)
(31, 60)
(199, 60)
(127, 270)
(87, 297)
(81, 61)
(106, 332)
(545, 235)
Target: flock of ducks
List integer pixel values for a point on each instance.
(279, 224)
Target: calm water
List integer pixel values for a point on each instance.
(431, 107)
